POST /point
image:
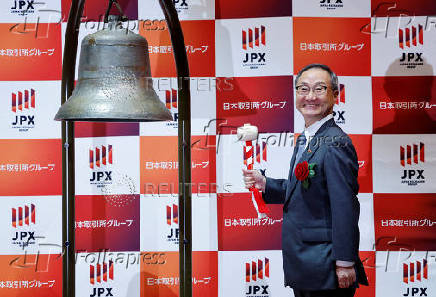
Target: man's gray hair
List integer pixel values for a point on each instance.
(333, 76)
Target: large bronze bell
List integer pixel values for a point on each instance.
(114, 80)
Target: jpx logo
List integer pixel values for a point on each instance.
(254, 45)
(99, 274)
(254, 153)
(414, 273)
(171, 102)
(341, 95)
(172, 216)
(256, 278)
(338, 114)
(411, 37)
(411, 156)
(412, 59)
(100, 158)
(23, 7)
(23, 217)
(23, 108)
(331, 4)
(181, 5)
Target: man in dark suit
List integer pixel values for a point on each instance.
(320, 233)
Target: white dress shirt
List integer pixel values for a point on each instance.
(310, 131)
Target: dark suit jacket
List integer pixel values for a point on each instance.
(320, 224)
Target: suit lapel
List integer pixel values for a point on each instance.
(294, 155)
(310, 151)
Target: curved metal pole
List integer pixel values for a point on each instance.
(68, 193)
(184, 144)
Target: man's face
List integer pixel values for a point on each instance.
(315, 106)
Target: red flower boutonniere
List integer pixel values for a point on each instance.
(303, 172)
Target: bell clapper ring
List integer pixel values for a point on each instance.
(122, 15)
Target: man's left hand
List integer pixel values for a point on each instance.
(346, 276)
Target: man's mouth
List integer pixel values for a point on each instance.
(311, 106)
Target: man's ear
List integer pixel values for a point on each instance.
(336, 93)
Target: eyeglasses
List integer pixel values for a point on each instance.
(304, 90)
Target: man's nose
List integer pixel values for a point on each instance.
(311, 95)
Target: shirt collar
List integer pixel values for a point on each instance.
(310, 131)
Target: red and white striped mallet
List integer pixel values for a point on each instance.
(248, 133)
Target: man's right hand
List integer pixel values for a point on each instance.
(346, 276)
(254, 178)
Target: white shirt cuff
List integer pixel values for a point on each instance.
(344, 263)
